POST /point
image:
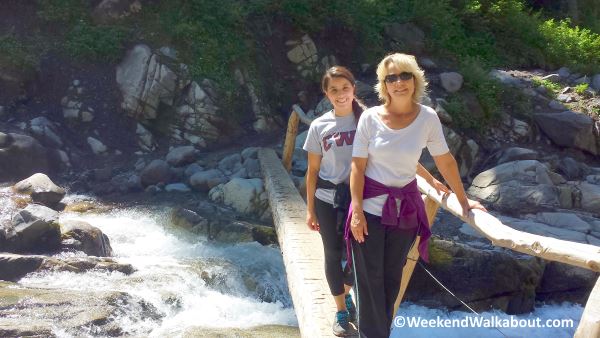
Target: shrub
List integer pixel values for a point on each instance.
(18, 54)
(95, 43)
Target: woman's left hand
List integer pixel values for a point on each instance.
(469, 204)
(439, 187)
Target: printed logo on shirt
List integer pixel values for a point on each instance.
(339, 138)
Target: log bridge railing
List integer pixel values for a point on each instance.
(303, 252)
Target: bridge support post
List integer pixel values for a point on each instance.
(431, 208)
(589, 325)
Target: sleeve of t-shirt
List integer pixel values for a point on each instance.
(360, 147)
(312, 144)
(436, 142)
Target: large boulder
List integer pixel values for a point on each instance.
(245, 195)
(156, 172)
(21, 156)
(34, 229)
(82, 236)
(42, 189)
(484, 279)
(451, 81)
(145, 82)
(518, 186)
(563, 282)
(569, 129)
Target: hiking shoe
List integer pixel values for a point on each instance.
(341, 324)
(351, 308)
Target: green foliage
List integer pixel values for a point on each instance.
(62, 11)
(487, 89)
(581, 88)
(96, 43)
(576, 47)
(17, 54)
(553, 87)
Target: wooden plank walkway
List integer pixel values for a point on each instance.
(301, 248)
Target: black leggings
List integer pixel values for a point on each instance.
(334, 247)
(379, 261)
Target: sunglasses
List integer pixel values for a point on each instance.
(404, 76)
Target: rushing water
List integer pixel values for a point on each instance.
(192, 282)
(195, 283)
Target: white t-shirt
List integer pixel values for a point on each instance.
(393, 154)
(332, 137)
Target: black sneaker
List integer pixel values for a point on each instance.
(351, 308)
(341, 324)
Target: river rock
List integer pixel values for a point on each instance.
(563, 282)
(42, 189)
(155, 172)
(34, 229)
(206, 180)
(590, 197)
(82, 236)
(33, 312)
(190, 221)
(516, 187)
(244, 195)
(46, 131)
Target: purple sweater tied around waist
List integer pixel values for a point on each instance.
(412, 212)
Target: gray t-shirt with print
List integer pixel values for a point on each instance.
(332, 137)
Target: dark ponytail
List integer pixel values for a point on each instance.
(339, 71)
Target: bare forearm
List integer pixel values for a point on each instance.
(311, 188)
(423, 172)
(357, 185)
(449, 170)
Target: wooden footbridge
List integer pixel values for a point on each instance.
(303, 251)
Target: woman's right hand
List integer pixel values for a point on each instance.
(358, 226)
(312, 221)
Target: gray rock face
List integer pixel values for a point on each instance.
(569, 129)
(145, 82)
(81, 236)
(181, 156)
(21, 156)
(590, 197)
(520, 185)
(34, 229)
(515, 154)
(42, 189)
(155, 172)
(495, 279)
(562, 282)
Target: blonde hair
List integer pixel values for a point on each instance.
(405, 63)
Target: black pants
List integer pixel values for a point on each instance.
(378, 263)
(334, 247)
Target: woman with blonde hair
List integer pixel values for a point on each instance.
(387, 212)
